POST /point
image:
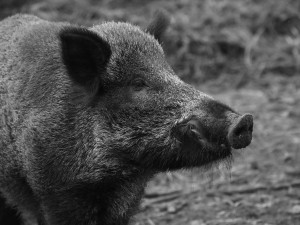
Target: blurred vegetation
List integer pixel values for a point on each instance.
(234, 42)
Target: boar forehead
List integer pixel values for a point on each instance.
(135, 53)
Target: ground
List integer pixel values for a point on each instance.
(245, 53)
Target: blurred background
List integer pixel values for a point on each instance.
(244, 53)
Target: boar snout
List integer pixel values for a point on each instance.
(236, 134)
(240, 132)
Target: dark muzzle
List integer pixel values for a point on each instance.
(238, 135)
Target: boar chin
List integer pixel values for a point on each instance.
(204, 152)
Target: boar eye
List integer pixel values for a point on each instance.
(138, 84)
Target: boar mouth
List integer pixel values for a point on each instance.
(209, 144)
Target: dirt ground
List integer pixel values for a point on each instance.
(244, 53)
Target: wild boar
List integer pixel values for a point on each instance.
(90, 114)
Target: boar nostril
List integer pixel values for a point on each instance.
(240, 133)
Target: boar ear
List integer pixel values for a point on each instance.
(159, 24)
(85, 55)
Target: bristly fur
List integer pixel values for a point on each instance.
(88, 116)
